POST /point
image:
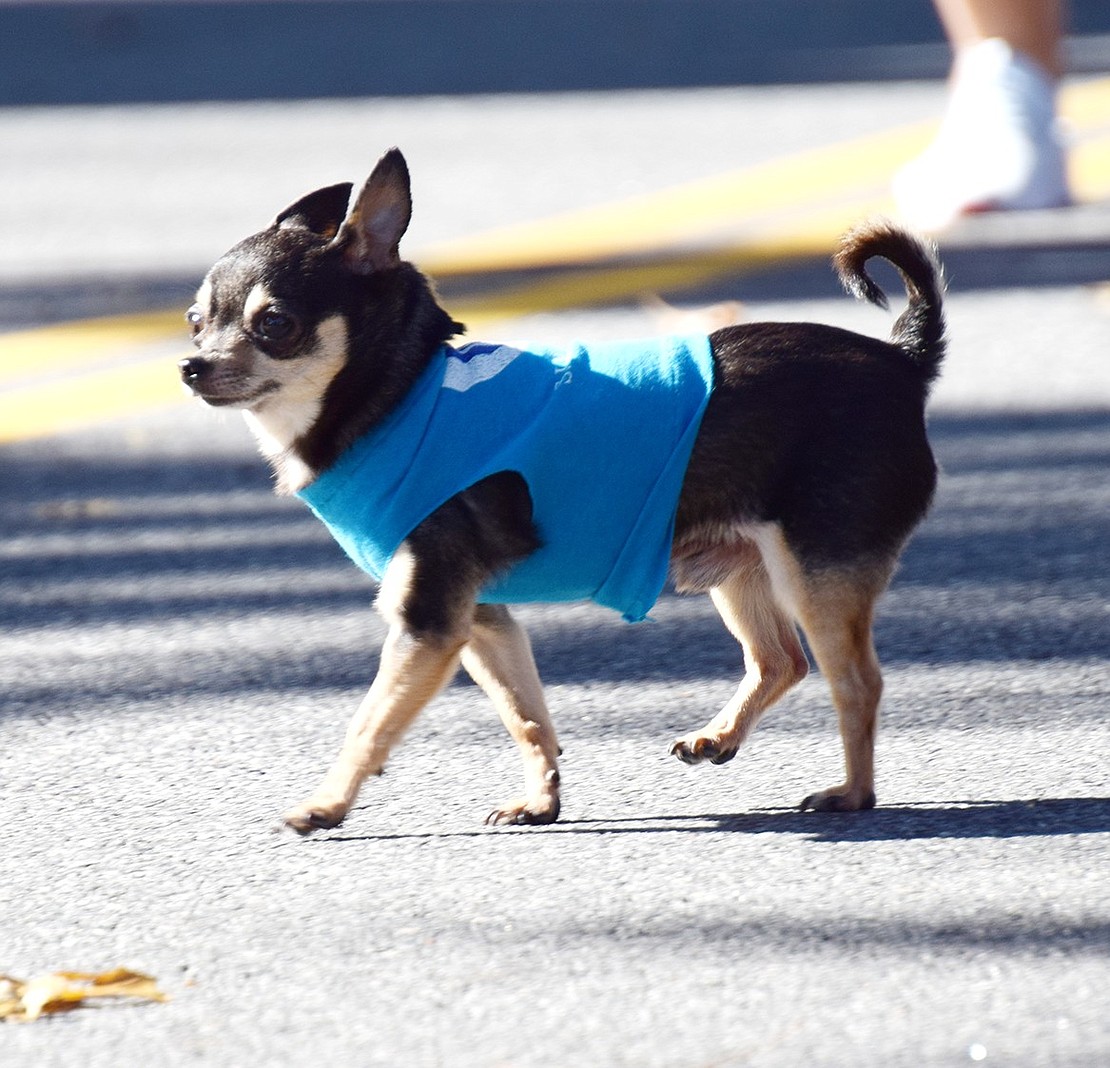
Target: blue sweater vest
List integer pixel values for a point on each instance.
(601, 436)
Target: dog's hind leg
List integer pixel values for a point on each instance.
(498, 657)
(836, 613)
(773, 660)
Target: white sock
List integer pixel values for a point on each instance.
(997, 147)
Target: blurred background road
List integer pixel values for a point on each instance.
(180, 649)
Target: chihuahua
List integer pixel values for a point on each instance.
(780, 467)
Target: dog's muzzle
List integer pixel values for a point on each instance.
(194, 369)
(222, 390)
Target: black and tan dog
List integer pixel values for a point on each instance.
(809, 471)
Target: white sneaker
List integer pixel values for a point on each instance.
(997, 148)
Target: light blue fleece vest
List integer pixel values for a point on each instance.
(602, 437)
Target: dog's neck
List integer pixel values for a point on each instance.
(276, 434)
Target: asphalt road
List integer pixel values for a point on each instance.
(181, 651)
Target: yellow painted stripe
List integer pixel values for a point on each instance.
(813, 235)
(1089, 171)
(703, 208)
(682, 214)
(1085, 109)
(27, 354)
(84, 400)
(1087, 103)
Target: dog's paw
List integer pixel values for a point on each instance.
(525, 813)
(314, 815)
(697, 748)
(839, 799)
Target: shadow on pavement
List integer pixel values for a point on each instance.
(1010, 566)
(970, 819)
(1036, 818)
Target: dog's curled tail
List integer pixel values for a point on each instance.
(919, 330)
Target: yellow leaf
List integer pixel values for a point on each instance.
(9, 996)
(63, 991)
(52, 990)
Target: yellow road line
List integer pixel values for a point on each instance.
(811, 235)
(1086, 103)
(680, 214)
(659, 220)
(33, 353)
(1085, 110)
(87, 399)
(1089, 171)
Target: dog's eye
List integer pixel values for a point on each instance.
(274, 325)
(195, 319)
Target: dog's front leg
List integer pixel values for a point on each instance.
(414, 668)
(498, 657)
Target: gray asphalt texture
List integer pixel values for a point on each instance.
(181, 651)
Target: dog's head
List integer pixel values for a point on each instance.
(272, 316)
(317, 313)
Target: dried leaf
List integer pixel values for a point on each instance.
(62, 991)
(52, 990)
(9, 996)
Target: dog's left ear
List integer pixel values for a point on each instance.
(378, 217)
(321, 212)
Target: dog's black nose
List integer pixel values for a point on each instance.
(193, 369)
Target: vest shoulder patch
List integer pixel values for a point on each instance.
(470, 365)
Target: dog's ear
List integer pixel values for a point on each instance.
(378, 217)
(321, 212)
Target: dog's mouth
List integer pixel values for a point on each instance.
(217, 399)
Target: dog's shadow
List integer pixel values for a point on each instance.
(956, 819)
(1041, 817)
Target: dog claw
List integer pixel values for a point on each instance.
(700, 750)
(523, 814)
(838, 800)
(305, 821)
